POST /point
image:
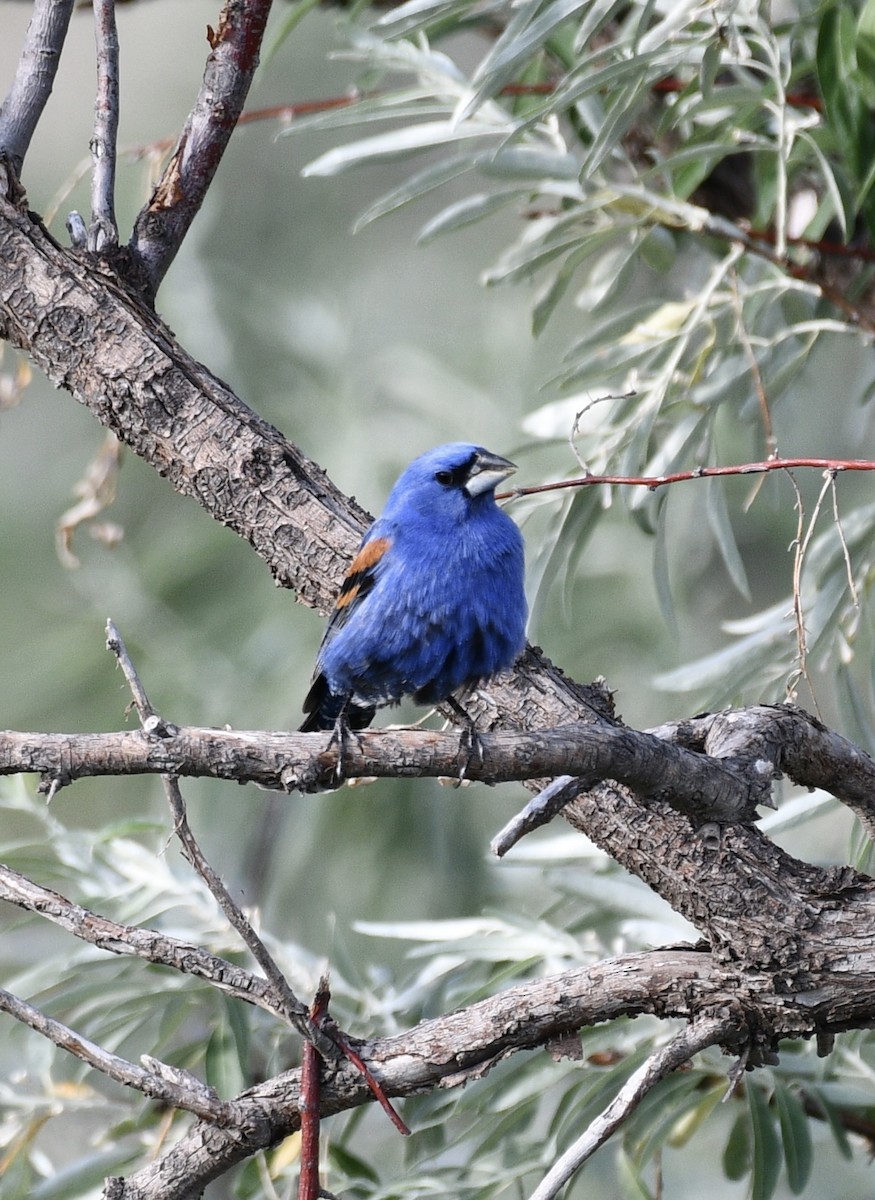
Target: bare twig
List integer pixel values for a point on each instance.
(96, 491)
(654, 482)
(103, 232)
(163, 223)
(800, 550)
(697, 1036)
(34, 77)
(309, 1104)
(837, 521)
(538, 811)
(294, 1010)
(157, 1080)
(771, 445)
(147, 944)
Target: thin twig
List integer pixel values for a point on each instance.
(801, 544)
(538, 811)
(654, 482)
(158, 1080)
(309, 1104)
(296, 1013)
(103, 232)
(147, 944)
(771, 445)
(294, 1010)
(34, 77)
(852, 583)
(668, 1058)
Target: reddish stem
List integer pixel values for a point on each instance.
(309, 1101)
(834, 465)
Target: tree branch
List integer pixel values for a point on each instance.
(662, 1062)
(158, 1081)
(295, 1012)
(163, 223)
(722, 778)
(148, 944)
(103, 233)
(460, 1046)
(34, 78)
(705, 788)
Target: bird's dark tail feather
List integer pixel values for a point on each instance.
(324, 709)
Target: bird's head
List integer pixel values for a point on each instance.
(450, 479)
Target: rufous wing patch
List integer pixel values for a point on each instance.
(359, 578)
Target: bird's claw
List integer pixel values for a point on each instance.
(469, 740)
(472, 747)
(340, 735)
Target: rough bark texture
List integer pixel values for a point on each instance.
(791, 950)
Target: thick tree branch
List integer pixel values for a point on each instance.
(34, 78)
(231, 63)
(460, 1046)
(721, 778)
(705, 788)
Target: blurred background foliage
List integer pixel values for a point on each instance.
(335, 279)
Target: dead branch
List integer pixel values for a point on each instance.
(165, 220)
(34, 78)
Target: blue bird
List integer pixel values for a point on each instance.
(433, 602)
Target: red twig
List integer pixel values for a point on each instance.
(340, 1040)
(831, 465)
(309, 1103)
(671, 84)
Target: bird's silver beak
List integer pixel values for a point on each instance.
(486, 473)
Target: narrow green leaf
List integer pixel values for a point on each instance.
(721, 526)
(297, 11)
(796, 1135)
(846, 109)
(398, 143)
(632, 1186)
(351, 1165)
(710, 66)
(737, 1153)
(433, 176)
(833, 1119)
(466, 212)
(525, 34)
(766, 1164)
(578, 523)
(865, 48)
(550, 297)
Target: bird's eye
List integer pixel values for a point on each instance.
(444, 478)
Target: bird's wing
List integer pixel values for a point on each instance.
(362, 573)
(360, 578)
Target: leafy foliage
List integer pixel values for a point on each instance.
(626, 149)
(637, 144)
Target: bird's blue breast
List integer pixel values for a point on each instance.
(447, 610)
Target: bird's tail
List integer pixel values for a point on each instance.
(325, 708)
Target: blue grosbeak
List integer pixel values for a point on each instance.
(433, 601)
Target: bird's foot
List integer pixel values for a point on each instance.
(340, 737)
(470, 745)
